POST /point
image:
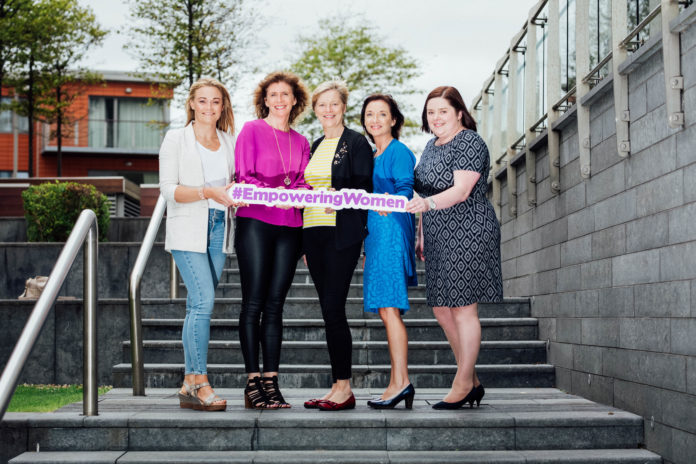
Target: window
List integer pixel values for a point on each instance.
(6, 120)
(127, 123)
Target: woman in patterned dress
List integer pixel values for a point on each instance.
(459, 234)
(390, 264)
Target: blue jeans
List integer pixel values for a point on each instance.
(201, 273)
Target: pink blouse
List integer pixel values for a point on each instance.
(258, 162)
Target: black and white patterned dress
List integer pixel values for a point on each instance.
(462, 243)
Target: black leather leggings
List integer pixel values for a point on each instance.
(267, 255)
(331, 271)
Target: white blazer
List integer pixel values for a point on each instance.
(180, 164)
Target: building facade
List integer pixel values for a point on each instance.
(116, 129)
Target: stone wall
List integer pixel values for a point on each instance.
(611, 260)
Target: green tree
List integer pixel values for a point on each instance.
(180, 41)
(52, 36)
(9, 35)
(352, 50)
(74, 31)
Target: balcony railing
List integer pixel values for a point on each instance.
(565, 48)
(125, 134)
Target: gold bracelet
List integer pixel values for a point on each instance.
(200, 194)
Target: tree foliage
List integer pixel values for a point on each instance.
(50, 37)
(180, 41)
(352, 50)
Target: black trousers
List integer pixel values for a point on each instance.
(331, 271)
(267, 255)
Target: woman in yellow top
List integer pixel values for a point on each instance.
(332, 240)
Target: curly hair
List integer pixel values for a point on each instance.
(299, 91)
(226, 121)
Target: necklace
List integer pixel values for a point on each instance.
(286, 181)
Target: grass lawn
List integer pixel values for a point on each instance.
(46, 398)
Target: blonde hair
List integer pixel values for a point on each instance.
(226, 121)
(338, 86)
(299, 91)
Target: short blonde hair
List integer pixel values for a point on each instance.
(226, 121)
(299, 91)
(338, 86)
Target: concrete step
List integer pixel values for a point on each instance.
(507, 420)
(522, 328)
(231, 275)
(434, 353)
(604, 456)
(298, 290)
(364, 376)
(308, 308)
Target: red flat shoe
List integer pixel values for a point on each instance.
(332, 406)
(312, 404)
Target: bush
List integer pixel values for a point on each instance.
(51, 210)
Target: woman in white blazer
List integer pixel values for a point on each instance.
(196, 167)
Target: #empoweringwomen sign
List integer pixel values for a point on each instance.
(346, 198)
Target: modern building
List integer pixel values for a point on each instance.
(116, 130)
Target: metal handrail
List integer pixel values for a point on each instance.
(560, 104)
(134, 303)
(636, 30)
(84, 232)
(597, 68)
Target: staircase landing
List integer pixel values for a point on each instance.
(512, 425)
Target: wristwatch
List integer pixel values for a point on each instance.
(431, 203)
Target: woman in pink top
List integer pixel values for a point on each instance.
(268, 239)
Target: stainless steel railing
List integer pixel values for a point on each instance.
(134, 303)
(84, 233)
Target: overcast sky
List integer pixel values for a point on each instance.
(457, 42)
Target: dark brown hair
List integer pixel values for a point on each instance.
(455, 99)
(299, 91)
(393, 109)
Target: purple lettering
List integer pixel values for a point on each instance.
(378, 202)
(248, 193)
(390, 203)
(352, 198)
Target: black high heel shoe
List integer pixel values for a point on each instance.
(270, 387)
(406, 394)
(480, 391)
(255, 397)
(469, 398)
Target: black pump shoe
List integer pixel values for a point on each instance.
(406, 394)
(480, 391)
(469, 398)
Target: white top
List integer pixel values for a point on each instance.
(214, 170)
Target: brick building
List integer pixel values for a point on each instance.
(117, 128)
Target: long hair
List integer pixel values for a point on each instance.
(299, 91)
(226, 121)
(455, 99)
(396, 114)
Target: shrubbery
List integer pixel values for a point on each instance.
(51, 210)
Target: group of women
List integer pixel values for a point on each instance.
(458, 234)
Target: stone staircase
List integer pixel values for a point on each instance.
(511, 355)
(522, 419)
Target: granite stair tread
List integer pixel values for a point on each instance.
(508, 420)
(605, 456)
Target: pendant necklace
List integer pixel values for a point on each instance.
(286, 181)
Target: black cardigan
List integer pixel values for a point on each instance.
(351, 168)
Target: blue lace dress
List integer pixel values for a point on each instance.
(390, 264)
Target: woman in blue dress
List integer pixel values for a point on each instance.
(390, 264)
